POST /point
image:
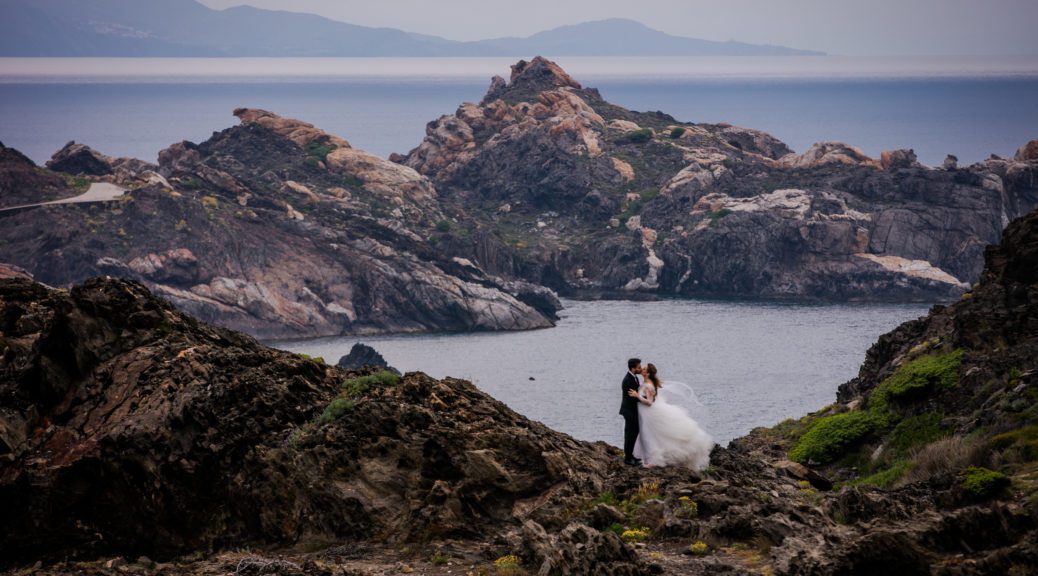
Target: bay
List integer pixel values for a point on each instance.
(750, 364)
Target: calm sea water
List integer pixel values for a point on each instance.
(751, 364)
(136, 107)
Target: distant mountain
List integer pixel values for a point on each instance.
(621, 37)
(187, 28)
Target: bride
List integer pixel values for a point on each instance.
(667, 435)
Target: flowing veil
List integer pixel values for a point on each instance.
(680, 394)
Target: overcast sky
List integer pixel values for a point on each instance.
(866, 27)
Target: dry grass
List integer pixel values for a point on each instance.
(945, 457)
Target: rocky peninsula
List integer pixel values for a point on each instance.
(272, 227)
(567, 190)
(137, 439)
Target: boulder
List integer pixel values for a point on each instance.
(80, 159)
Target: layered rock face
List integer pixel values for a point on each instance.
(272, 227)
(567, 190)
(127, 427)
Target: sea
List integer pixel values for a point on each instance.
(750, 363)
(971, 107)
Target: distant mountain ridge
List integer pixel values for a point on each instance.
(186, 28)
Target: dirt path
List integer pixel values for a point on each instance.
(98, 192)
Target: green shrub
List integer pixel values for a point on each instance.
(443, 226)
(319, 150)
(677, 132)
(829, 437)
(357, 386)
(715, 216)
(616, 528)
(915, 379)
(982, 482)
(337, 409)
(913, 432)
(650, 194)
(440, 559)
(636, 137)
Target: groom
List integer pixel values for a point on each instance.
(629, 410)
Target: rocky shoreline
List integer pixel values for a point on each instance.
(136, 439)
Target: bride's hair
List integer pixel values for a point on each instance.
(651, 370)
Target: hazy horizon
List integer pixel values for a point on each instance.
(882, 27)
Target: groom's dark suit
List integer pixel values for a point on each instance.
(629, 410)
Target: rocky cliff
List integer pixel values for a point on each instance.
(273, 227)
(568, 190)
(129, 430)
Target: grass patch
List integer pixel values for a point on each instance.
(677, 133)
(440, 559)
(829, 437)
(444, 226)
(318, 359)
(983, 483)
(886, 478)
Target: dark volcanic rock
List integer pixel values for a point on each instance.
(81, 160)
(130, 428)
(362, 356)
(567, 190)
(22, 182)
(275, 228)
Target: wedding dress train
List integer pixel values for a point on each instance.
(667, 435)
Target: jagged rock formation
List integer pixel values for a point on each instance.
(129, 429)
(567, 190)
(273, 227)
(363, 356)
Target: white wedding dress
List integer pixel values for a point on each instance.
(667, 435)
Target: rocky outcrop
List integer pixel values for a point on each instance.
(363, 356)
(130, 428)
(22, 182)
(81, 160)
(574, 171)
(276, 228)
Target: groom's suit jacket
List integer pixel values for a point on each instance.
(629, 405)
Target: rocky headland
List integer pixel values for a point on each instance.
(279, 229)
(569, 191)
(273, 227)
(136, 439)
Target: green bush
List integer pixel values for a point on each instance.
(335, 410)
(357, 386)
(913, 380)
(636, 137)
(913, 432)
(319, 150)
(829, 437)
(715, 216)
(676, 133)
(443, 226)
(982, 482)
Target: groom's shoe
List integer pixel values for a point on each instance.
(632, 462)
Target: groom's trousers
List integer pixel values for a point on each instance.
(630, 434)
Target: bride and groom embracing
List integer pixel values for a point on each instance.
(658, 432)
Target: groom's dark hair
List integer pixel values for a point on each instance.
(633, 362)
